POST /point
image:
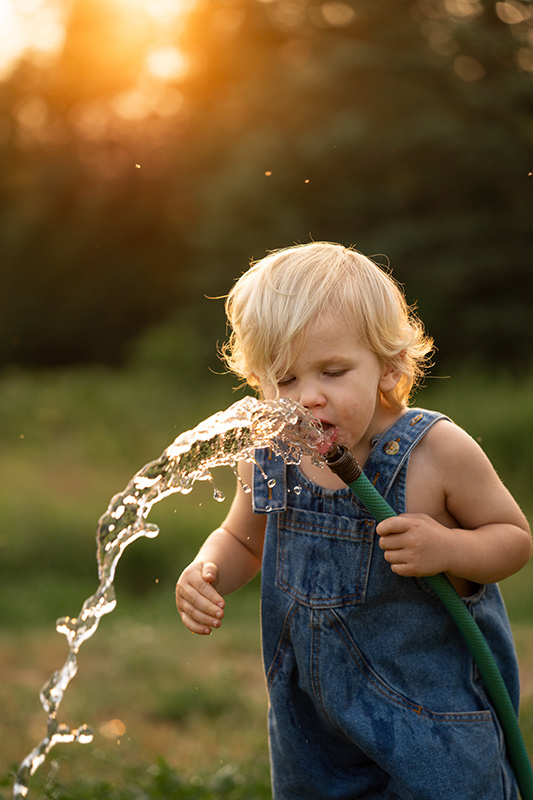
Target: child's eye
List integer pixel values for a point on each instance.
(335, 373)
(285, 381)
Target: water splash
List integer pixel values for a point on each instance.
(223, 439)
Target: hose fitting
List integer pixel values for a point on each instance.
(342, 463)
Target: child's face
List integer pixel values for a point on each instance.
(339, 380)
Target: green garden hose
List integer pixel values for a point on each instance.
(341, 461)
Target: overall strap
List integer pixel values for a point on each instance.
(392, 449)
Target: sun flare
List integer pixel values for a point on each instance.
(34, 25)
(163, 11)
(37, 28)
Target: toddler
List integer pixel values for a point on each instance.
(372, 691)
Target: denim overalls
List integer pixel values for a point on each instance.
(373, 693)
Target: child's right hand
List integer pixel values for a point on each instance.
(199, 604)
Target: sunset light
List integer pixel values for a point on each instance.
(164, 11)
(36, 29)
(28, 25)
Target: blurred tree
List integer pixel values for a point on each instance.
(88, 255)
(403, 127)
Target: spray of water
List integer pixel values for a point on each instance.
(223, 439)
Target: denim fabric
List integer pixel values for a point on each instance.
(373, 693)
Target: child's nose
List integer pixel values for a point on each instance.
(311, 396)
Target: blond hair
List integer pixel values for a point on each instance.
(270, 306)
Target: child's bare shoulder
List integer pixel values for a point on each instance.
(446, 440)
(447, 452)
(445, 459)
(450, 471)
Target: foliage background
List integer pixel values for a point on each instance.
(145, 158)
(133, 186)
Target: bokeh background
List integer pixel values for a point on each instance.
(149, 149)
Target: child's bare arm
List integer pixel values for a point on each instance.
(469, 526)
(229, 558)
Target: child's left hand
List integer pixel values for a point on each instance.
(415, 545)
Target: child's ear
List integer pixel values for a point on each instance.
(390, 376)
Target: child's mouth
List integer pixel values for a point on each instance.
(331, 434)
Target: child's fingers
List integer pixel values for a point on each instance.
(194, 626)
(390, 543)
(199, 622)
(198, 579)
(191, 599)
(391, 525)
(199, 604)
(402, 523)
(196, 614)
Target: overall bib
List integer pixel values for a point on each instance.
(373, 692)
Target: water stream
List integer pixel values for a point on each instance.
(223, 439)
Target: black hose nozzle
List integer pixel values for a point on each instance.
(342, 463)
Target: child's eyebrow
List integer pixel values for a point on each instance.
(333, 361)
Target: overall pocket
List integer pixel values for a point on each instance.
(323, 560)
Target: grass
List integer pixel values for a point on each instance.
(174, 715)
(152, 692)
(160, 781)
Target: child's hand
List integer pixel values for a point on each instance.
(199, 604)
(415, 545)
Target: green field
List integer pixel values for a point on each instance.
(174, 715)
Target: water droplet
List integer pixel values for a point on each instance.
(297, 490)
(219, 496)
(84, 735)
(268, 508)
(271, 483)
